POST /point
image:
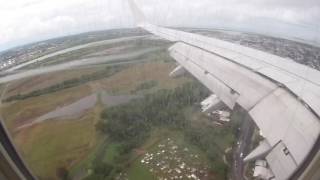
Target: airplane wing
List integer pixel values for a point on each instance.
(281, 96)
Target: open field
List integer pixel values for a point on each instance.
(72, 143)
(159, 134)
(20, 112)
(51, 82)
(123, 82)
(129, 79)
(57, 144)
(78, 156)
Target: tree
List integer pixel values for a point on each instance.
(102, 168)
(62, 173)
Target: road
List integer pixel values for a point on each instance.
(93, 44)
(242, 148)
(79, 63)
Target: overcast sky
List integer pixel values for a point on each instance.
(25, 21)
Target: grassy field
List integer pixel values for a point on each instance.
(73, 143)
(56, 144)
(177, 140)
(20, 112)
(28, 85)
(82, 168)
(111, 153)
(129, 79)
(138, 171)
(124, 82)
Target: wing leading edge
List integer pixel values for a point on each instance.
(281, 96)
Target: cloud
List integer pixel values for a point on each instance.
(25, 21)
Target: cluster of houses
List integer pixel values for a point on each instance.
(8, 63)
(170, 161)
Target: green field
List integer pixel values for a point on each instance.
(56, 144)
(112, 143)
(73, 143)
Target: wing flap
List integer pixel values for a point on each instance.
(251, 78)
(250, 86)
(225, 93)
(280, 116)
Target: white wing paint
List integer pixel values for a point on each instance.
(281, 96)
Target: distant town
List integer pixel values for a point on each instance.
(302, 53)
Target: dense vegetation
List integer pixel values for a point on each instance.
(107, 72)
(210, 140)
(133, 120)
(130, 125)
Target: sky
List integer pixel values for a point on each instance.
(26, 21)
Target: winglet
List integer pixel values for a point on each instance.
(138, 15)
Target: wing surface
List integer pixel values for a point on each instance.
(281, 96)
